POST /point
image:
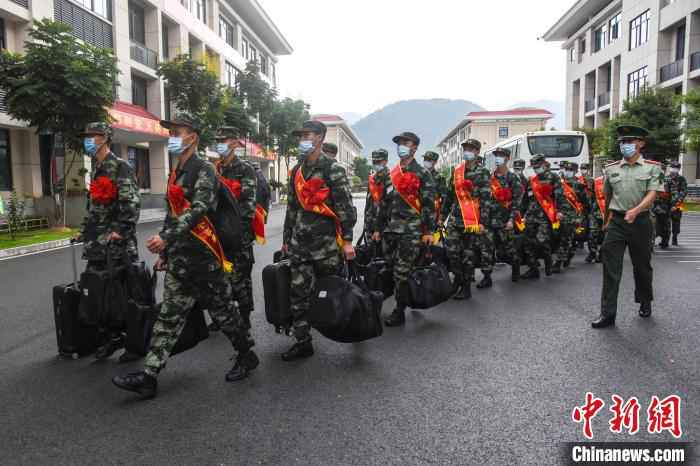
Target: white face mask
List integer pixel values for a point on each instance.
(539, 170)
(500, 161)
(584, 172)
(675, 171)
(568, 173)
(428, 165)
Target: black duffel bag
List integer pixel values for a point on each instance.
(429, 283)
(378, 273)
(364, 251)
(105, 300)
(345, 310)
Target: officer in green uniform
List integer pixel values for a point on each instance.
(631, 185)
(677, 185)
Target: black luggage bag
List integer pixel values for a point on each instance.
(429, 284)
(276, 282)
(377, 272)
(74, 338)
(104, 300)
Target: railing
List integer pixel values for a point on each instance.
(589, 105)
(670, 71)
(3, 101)
(85, 25)
(24, 3)
(144, 55)
(603, 99)
(694, 61)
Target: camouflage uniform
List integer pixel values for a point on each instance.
(571, 220)
(595, 230)
(193, 272)
(440, 185)
(501, 241)
(677, 185)
(383, 179)
(311, 237)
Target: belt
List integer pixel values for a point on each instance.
(618, 213)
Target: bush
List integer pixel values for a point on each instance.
(15, 214)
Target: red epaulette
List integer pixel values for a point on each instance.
(610, 164)
(653, 162)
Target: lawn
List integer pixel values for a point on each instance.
(692, 207)
(25, 238)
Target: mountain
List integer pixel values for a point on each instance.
(557, 108)
(429, 119)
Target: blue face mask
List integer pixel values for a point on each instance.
(628, 149)
(175, 146)
(378, 167)
(539, 170)
(90, 146)
(305, 147)
(222, 149)
(468, 156)
(500, 161)
(403, 151)
(568, 173)
(428, 165)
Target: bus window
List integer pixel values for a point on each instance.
(555, 146)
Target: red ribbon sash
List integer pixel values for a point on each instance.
(375, 189)
(600, 194)
(259, 224)
(543, 194)
(571, 196)
(407, 185)
(504, 196)
(468, 205)
(312, 195)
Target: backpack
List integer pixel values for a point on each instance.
(263, 192)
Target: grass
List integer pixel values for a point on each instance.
(25, 238)
(692, 207)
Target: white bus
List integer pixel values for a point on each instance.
(557, 146)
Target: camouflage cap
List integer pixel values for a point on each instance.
(631, 132)
(379, 155)
(431, 156)
(585, 166)
(97, 128)
(520, 163)
(256, 165)
(471, 143)
(227, 132)
(538, 159)
(408, 136)
(675, 164)
(573, 165)
(182, 120)
(313, 126)
(501, 152)
(330, 148)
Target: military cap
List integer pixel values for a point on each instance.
(472, 143)
(97, 128)
(407, 135)
(573, 165)
(631, 132)
(538, 159)
(311, 126)
(500, 151)
(182, 120)
(431, 156)
(675, 164)
(256, 165)
(330, 148)
(380, 154)
(585, 166)
(227, 132)
(520, 163)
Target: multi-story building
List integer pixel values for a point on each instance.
(614, 48)
(341, 134)
(225, 34)
(489, 128)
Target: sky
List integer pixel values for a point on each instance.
(360, 55)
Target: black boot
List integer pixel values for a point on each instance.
(515, 272)
(556, 268)
(598, 258)
(645, 310)
(603, 321)
(113, 344)
(485, 282)
(533, 273)
(548, 265)
(299, 350)
(664, 244)
(397, 318)
(245, 364)
(245, 316)
(128, 356)
(675, 240)
(591, 257)
(139, 382)
(214, 327)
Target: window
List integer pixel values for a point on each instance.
(600, 37)
(263, 64)
(99, 7)
(614, 27)
(226, 31)
(639, 30)
(3, 46)
(555, 146)
(245, 48)
(85, 26)
(582, 46)
(137, 28)
(680, 43)
(636, 81)
(139, 95)
(231, 75)
(572, 54)
(5, 161)
(503, 132)
(199, 8)
(253, 54)
(138, 158)
(166, 42)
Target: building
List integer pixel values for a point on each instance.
(225, 34)
(616, 48)
(341, 134)
(489, 128)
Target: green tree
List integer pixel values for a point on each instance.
(196, 90)
(287, 115)
(58, 86)
(360, 167)
(597, 142)
(692, 120)
(259, 101)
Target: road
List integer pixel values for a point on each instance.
(489, 381)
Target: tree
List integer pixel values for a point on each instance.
(692, 120)
(196, 90)
(597, 142)
(360, 167)
(259, 100)
(58, 86)
(287, 115)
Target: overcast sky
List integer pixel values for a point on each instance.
(360, 55)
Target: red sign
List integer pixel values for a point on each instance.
(134, 118)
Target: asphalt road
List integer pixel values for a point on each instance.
(490, 381)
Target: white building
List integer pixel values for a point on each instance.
(225, 34)
(616, 47)
(342, 135)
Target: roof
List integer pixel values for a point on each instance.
(258, 20)
(575, 18)
(328, 118)
(515, 114)
(135, 110)
(335, 120)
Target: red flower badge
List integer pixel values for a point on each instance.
(233, 185)
(315, 191)
(468, 185)
(504, 195)
(103, 191)
(546, 189)
(176, 196)
(409, 183)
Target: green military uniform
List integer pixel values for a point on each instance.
(519, 173)
(311, 237)
(462, 245)
(403, 227)
(677, 186)
(596, 232)
(626, 185)
(499, 240)
(538, 227)
(380, 181)
(430, 159)
(330, 149)
(242, 172)
(571, 217)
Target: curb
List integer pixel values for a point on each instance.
(33, 248)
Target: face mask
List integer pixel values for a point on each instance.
(675, 171)
(378, 167)
(500, 161)
(568, 173)
(428, 165)
(539, 170)
(222, 149)
(628, 150)
(239, 151)
(90, 146)
(584, 172)
(306, 147)
(175, 146)
(403, 151)
(468, 156)
(519, 171)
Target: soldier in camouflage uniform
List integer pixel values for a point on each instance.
(242, 173)
(406, 228)
(500, 234)
(571, 217)
(109, 226)
(378, 185)
(519, 172)
(538, 228)
(596, 234)
(330, 149)
(659, 207)
(677, 185)
(430, 159)
(463, 245)
(194, 274)
(311, 239)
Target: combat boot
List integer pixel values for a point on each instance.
(485, 282)
(548, 265)
(464, 290)
(533, 273)
(214, 327)
(397, 318)
(590, 258)
(108, 349)
(664, 244)
(556, 268)
(603, 321)
(675, 240)
(299, 350)
(138, 382)
(645, 310)
(515, 272)
(245, 364)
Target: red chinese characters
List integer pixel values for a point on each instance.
(624, 416)
(665, 415)
(587, 412)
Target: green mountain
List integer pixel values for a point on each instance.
(430, 119)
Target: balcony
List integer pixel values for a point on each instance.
(143, 55)
(589, 105)
(670, 71)
(604, 99)
(694, 61)
(3, 102)
(24, 3)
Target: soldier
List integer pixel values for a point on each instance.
(586, 179)
(239, 176)
(660, 211)
(677, 185)
(596, 232)
(507, 193)
(318, 228)
(572, 214)
(330, 149)
(377, 186)
(468, 205)
(542, 217)
(406, 218)
(631, 185)
(109, 226)
(430, 159)
(190, 253)
(519, 230)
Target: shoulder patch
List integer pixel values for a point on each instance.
(610, 164)
(653, 162)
